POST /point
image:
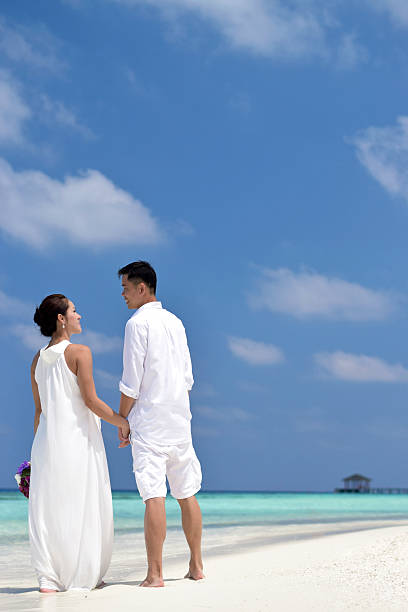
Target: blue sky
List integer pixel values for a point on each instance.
(255, 152)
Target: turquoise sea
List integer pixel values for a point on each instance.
(227, 509)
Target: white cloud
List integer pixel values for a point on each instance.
(205, 432)
(134, 80)
(87, 210)
(387, 430)
(54, 111)
(13, 307)
(360, 368)
(204, 390)
(383, 151)
(252, 387)
(98, 342)
(222, 414)
(313, 420)
(396, 9)
(277, 29)
(255, 353)
(208, 412)
(106, 379)
(13, 111)
(139, 87)
(307, 294)
(29, 335)
(350, 52)
(182, 228)
(271, 28)
(34, 46)
(241, 415)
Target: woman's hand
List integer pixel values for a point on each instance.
(123, 432)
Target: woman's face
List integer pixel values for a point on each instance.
(72, 319)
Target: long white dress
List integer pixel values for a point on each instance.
(70, 504)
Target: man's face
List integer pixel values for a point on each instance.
(133, 294)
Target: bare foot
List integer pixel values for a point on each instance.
(152, 582)
(101, 585)
(195, 574)
(48, 591)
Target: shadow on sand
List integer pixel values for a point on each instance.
(20, 590)
(137, 582)
(17, 590)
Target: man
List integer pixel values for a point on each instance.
(155, 385)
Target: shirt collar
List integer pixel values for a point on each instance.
(149, 305)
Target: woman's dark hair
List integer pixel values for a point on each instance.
(47, 313)
(140, 271)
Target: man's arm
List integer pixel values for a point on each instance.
(187, 364)
(134, 353)
(126, 405)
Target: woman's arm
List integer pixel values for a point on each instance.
(83, 357)
(36, 395)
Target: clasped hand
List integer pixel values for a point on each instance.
(123, 434)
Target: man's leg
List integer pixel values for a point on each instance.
(192, 526)
(155, 533)
(149, 466)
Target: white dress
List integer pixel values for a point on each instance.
(70, 504)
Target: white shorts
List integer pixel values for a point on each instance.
(153, 462)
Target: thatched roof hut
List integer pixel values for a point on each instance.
(357, 482)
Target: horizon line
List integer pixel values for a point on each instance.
(212, 490)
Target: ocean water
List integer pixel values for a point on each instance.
(232, 521)
(228, 510)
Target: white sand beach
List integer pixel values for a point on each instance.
(359, 570)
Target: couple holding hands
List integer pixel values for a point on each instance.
(70, 503)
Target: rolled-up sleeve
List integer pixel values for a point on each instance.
(188, 369)
(134, 353)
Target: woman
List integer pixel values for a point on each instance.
(70, 504)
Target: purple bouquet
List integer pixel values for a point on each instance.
(23, 478)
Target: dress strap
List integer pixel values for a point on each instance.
(52, 353)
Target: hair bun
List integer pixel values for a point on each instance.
(38, 318)
(46, 314)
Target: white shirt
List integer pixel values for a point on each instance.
(157, 373)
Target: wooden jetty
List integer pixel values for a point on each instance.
(356, 483)
(389, 490)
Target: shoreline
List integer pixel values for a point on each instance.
(337, 570)
(232, 491)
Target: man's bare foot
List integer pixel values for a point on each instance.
(48, 591)
(152, 582)
(195, 574)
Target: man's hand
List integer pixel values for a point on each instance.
(123, 433)
(126, 405)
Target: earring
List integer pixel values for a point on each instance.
(63, 326)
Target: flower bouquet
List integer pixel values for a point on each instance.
(23, 478)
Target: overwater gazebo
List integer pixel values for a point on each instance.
(356, 483)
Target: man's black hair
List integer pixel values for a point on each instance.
(140, 271)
